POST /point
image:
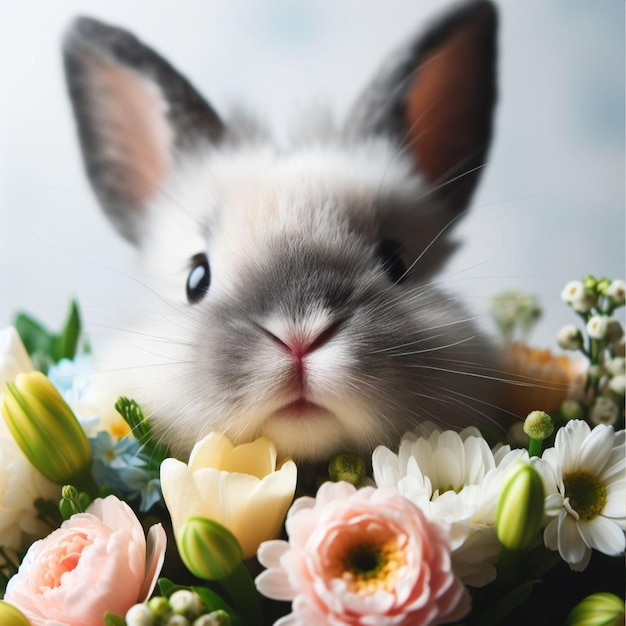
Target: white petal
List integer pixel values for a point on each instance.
(603, 535)
(550, 535)
(571, 545)
(596, 448)
(615, 500)
(568, 442)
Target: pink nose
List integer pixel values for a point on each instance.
(299, 346)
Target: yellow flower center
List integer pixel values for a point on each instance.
(587, 495)
(369, 567)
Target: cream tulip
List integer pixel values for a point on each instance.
(14, 359)
(237, 486)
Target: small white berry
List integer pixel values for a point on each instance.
(603, 411)
(139, 615)
(570, 337)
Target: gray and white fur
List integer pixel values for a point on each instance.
(297, 289)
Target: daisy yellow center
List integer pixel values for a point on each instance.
(369, 567)
(587, 495)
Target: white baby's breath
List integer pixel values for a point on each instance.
(617, 291)
(603, 411)
(585, 485)
(597, 326)
(578, 296)
(455, 479)
(569, 337)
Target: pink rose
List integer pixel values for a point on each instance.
(97, 561)
(361, 557)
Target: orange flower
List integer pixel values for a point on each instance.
(549, 379)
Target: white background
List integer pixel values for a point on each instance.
(550, 207)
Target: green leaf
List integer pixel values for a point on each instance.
(167, 587)
(112, 619)
(215, 602)
(67, 342)
(501, 608)
(45, 347)
(36, 339)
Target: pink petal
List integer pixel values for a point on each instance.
(270, 552)
(155, 556)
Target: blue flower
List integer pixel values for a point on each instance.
(119, 465)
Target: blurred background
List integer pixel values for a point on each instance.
(550, 207)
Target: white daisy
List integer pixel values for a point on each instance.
(455, 479)
(585, 481)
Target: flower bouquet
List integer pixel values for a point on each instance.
(101, 524)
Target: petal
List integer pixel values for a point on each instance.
(568, 442)
(270, 552)
(264, 509)
(571, 545)
(550, 535)
(155, 556)
(257, 458)
(615, 501)
(595, 449)
(210, 452)
(274, 583)
(603, 535)
(179, 491)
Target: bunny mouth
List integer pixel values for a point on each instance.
(301, 408)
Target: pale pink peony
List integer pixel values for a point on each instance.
(97, 561)
(361, 557)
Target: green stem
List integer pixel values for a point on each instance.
(243, 594)
(507, 569)
(85, 482)
(534, 447)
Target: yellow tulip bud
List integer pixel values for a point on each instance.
(598, 609)
(520, 507)
(11, 616)
(208, 549)
(47, 431)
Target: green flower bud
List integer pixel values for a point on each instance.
(159, 607)
(348, 467)
(538, 425)
(216, 618)
(208, 549)
(598, 609)
(520, 507)
(11, 616)
(602, 286)
(590, 282)
(47, 431)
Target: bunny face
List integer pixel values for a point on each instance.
(295, 282)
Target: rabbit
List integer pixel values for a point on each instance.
(297, 285)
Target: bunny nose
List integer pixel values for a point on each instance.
(300, 345)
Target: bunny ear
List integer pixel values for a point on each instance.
(437, 101)
(136, 117)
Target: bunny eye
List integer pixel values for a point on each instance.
(199, 278)
(389, 253)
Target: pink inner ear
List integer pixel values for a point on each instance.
(448, 109)
(131, 117)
